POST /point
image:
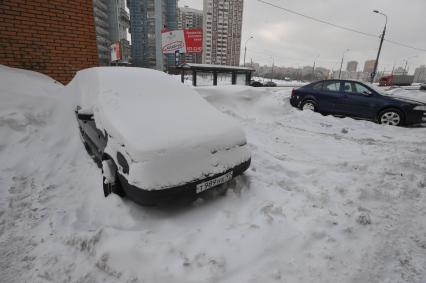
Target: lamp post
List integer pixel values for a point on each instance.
(341, 63)
(245, 49)
(380, 46)
(313, 68)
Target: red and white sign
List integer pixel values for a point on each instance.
(115, 51)
(184, 41)
(194, 40)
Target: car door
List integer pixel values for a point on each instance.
(356, 100)
(93, 137)
(329, 95)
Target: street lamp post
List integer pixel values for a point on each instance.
(380, 46)
(313, 68)
(245, 49)
(341, 63)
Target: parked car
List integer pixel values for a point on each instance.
(359, 100)
(270, 84)
(256, 84)
(423, 86)
(155, 138)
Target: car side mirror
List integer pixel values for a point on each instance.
(367, 93)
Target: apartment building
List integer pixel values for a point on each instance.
(144, 18)
(111, 24)
(222, 23)
(188, 18)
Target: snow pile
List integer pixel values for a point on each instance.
(165, 129)
(417, 95)
(326, 200)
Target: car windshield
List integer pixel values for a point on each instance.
(376, 88)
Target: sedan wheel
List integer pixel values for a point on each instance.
(309, 105)
(390, 117)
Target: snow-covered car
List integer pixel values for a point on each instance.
(423, 86)
(155, 138)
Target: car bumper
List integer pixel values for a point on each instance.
(294, 101)
(415, 117)
(188, 190)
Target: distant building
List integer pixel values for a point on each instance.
(369, 66)
(188, 18)
(111, 25)
(222, 23)
(142, 30)
(352, 66)
(420, 74)
(399, 71)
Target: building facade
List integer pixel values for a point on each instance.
(222, 23)
(49, 37)
(352, 66)
(112, 23)
(369, 66)
(188, 18)
(144, 18)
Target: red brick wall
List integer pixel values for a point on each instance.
(54, 37)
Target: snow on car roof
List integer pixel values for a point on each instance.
(147, 110)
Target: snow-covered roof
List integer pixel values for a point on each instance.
(214, 67)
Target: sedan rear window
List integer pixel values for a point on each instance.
(331, 86)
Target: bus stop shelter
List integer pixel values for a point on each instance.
(240, 75)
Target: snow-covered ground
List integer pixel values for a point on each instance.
(326, 200)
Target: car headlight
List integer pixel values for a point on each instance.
(420, 107)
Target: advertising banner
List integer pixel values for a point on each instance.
(184, 41)
(173, 41)
(194, 40)
(115, 51)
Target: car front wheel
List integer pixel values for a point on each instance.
(392, 117)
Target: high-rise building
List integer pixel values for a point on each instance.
(111, 24)
(352, 66)
(100, 15)
(222, 22)
(369, 66)
(188, 18)
(420, 74)
(144, 19)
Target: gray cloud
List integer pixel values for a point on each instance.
(295, 41)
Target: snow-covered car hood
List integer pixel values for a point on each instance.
(154, 119)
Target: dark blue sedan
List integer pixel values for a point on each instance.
(359, 100)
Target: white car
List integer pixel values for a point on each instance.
(155, 138)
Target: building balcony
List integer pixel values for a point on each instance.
(124, 16)
(101, 5)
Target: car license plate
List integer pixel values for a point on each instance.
(214, 182)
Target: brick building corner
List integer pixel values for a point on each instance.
(55, 37)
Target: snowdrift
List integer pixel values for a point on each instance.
(326, 200)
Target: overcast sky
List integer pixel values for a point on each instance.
(296, 41)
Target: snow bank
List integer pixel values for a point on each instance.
(326, 200)
(417, 95)
(166, 130)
